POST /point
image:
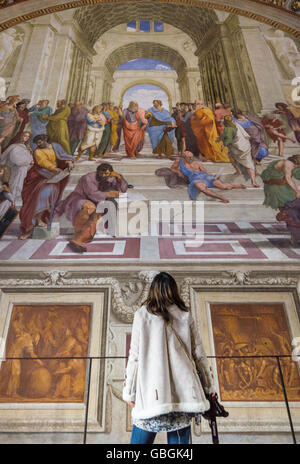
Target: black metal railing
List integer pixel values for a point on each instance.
(90, 359)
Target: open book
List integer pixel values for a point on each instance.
(58, 177)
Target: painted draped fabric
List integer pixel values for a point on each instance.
(37, 195)
(194, 177)
(23, 115)
(9, 124)
(57, 128)
(277, 191)
(238, 142)
(18, 158)
(95, 125)
(293, 117)
(114, 135)
(88, 189)
(77, 126)
(161, 141)
(205, 130)
(133, 133)
(38, 125)
(255, 129)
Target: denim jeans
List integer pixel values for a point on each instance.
(143, 437)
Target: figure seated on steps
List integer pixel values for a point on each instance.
(80, 206)
(43, 187)
(200, 180)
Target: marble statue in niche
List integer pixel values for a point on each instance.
(285, 51)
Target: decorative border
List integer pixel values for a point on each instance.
(124, 309)
(212, 5)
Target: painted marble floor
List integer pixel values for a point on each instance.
(223, 242)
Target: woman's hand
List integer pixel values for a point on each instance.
(131, 403)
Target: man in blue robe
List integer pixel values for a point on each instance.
(161, 129)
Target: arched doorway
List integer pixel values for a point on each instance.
(172, 75)
(144, 93)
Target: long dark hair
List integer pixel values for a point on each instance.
(162, 294)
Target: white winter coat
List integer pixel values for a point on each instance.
(160, 378)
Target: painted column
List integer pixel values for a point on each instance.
(99, 85)
(57, 80)
(258, 69)
(192, 76)
(32, 73)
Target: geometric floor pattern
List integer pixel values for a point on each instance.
(228, 241)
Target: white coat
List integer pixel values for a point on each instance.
(160, 378)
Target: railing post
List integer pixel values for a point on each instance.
(286, 400)
(87, 400)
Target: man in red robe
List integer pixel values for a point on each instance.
(134, 125)
(38, 195)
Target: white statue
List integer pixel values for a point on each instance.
(9, 41)
(286, 51)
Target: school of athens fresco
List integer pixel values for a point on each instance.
(137, 136)
(118, 109)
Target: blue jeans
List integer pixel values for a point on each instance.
(143, 437)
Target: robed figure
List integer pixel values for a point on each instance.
(57, 128)
(134, 125)
(77, 125)
(37, 122)
(38, 195)
(161, 129)
(80, 205)
(204, 127)
(18, 158)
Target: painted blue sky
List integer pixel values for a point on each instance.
(144, 94)
(144, 64)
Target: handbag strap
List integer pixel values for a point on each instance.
(184, 349)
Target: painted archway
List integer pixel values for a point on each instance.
(271, 14)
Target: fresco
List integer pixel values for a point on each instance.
(40, 332)
(245, 330)
(143, 111)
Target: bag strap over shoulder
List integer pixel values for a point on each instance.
(169, 324)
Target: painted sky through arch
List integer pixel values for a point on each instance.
(144, 94)
(145, 64)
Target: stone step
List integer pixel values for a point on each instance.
(214, 211)
(147, 166)
(244, 204)
(158, 190)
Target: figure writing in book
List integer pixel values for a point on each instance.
(80, 206)
(38, 195)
